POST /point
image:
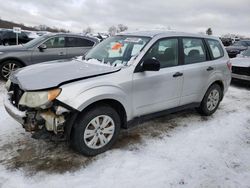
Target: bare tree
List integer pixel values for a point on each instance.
(112, 30)
(121, 28)
(209, 31)
(88, 30)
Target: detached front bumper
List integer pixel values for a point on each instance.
(13, 111)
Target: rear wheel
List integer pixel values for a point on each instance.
(7, 67)
(211, 100)
(96, 130)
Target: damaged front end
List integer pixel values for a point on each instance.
(38, 111)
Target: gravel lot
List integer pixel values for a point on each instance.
(178, 150)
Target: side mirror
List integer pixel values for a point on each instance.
(151, 65)
(42, 47)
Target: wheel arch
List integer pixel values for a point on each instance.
(115, 104)
(14, 59)
(220, 83)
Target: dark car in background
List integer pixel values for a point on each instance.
(241, 66)
(226, 41)
(237, 48)
(8, 37)
(44, 48)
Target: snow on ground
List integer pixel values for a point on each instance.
(178, 150)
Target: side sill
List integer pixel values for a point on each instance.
(145, 118)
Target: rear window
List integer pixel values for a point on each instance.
(78, 42)
(215, 48)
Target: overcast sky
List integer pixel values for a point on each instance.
(223, 16)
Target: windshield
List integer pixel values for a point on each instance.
(34, 42)
(246, 52)
(117, 50)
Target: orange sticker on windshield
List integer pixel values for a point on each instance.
(116, 46)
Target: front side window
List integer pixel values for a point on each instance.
(117, 50)
(55, 42)
(165, 51)
(215, 48)
(194, 50)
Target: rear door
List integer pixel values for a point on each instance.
(197, 69)
(55, 50)
(77, 46)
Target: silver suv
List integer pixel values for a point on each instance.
(124, 79)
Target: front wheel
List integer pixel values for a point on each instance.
(211, 100)
(96, 130)
(7, 67)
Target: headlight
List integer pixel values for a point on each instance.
(39, 98)
(7, 85)
(1, 52)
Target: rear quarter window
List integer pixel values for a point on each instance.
(215, 48)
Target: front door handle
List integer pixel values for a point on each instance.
(177, 74)
(210, 68)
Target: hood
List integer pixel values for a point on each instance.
(236, 48)
(12, 48)
(240, 62)
(56, 73)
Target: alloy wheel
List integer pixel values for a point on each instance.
(8, 68)
(99, 132)
(213, 99)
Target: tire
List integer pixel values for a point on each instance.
(7, 66)
(211, 100)
(87, 139)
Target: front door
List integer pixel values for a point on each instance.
(154, 91)
(55, 50)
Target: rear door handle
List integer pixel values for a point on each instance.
(177, 74)
(210, 68)
(61, 53)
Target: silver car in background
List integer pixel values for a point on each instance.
(48, 47)
(123, 80)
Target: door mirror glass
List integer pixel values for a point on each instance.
(151, 65)
(42, 47)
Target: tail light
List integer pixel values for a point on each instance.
(229, 65)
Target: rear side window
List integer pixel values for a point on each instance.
(215, 48)
(194, 50)
(78, 42)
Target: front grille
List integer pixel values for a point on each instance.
(17, 94)
(241, 70)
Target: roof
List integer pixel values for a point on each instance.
(153, 33)
(73, 35)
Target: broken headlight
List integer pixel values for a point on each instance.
(36, 99)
